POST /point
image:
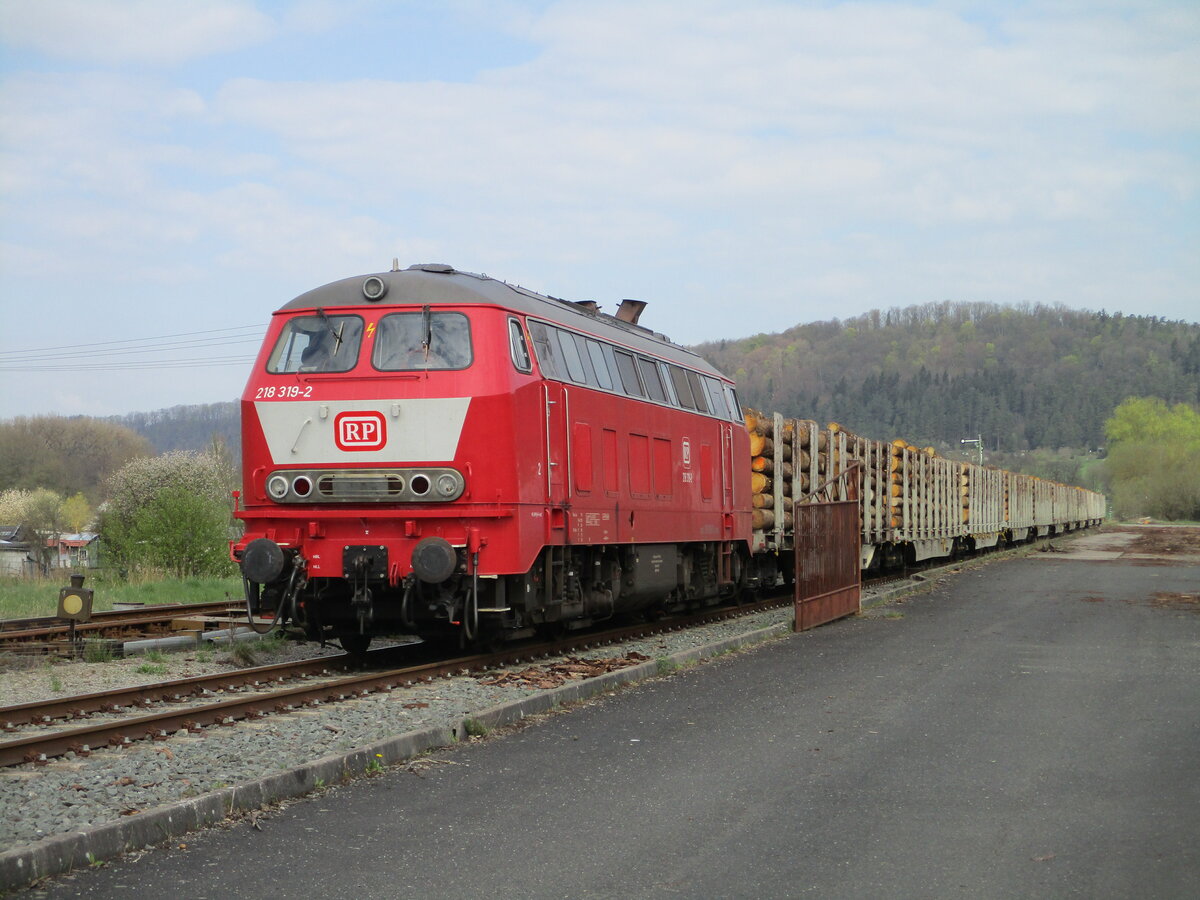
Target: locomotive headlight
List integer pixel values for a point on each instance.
(302, 485)
(374, 288)
(277, 487)
(448, 485)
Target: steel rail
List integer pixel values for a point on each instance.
(157, 610)
(48, 626)
(176, 690)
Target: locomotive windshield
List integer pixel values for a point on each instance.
(319, 343)
(411, 341)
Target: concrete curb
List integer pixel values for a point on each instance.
(61, 853)
(174, 644)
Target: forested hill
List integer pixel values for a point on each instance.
(1024, 377)
(187, 427)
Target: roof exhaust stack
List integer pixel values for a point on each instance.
(630, 310)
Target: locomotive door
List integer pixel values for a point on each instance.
(726, 468)
(555, 448)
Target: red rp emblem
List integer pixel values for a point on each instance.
(359, 430)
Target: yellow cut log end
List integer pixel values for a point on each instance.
(761, 445)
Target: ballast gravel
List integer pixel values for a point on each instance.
(75, 792)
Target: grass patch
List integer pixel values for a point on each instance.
(273, 644)
(23, 597)
(152, 669)
(475, 728)
(243, 653)
(97, 651)
(666, 666)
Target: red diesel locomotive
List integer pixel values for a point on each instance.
(435, 452)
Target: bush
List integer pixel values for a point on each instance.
(170, 514)
(1154, 455)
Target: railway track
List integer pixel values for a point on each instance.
(17, 632)
(44, 730)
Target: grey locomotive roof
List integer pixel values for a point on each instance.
(435, 283)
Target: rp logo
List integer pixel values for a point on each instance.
(359, 430)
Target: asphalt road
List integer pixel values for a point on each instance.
(1027, 729)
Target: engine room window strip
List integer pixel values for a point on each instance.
(566, 356)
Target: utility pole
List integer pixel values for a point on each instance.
(978, 442)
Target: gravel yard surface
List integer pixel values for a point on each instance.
(77, 792)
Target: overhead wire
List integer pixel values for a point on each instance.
(144, 353)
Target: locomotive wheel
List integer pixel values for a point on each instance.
(355, 644)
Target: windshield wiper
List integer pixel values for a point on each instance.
(336, 332)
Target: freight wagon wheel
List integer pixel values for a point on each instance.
(355, 644)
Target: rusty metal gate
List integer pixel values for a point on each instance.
(826, 539)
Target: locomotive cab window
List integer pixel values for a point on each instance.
(516, 345)
(415, 341)
(319, 343)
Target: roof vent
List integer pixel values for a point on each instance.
(591, 307)
(433, 267)
(630, 310)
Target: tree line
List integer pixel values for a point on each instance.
(1025, 377)
(166, 515)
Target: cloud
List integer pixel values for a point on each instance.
(818, 159)
(762, 103)
(134, 32)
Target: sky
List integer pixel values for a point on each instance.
(172, 171)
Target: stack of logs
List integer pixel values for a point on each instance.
(964, 489)
(900, 449)
(867, 453)
(794, 443)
